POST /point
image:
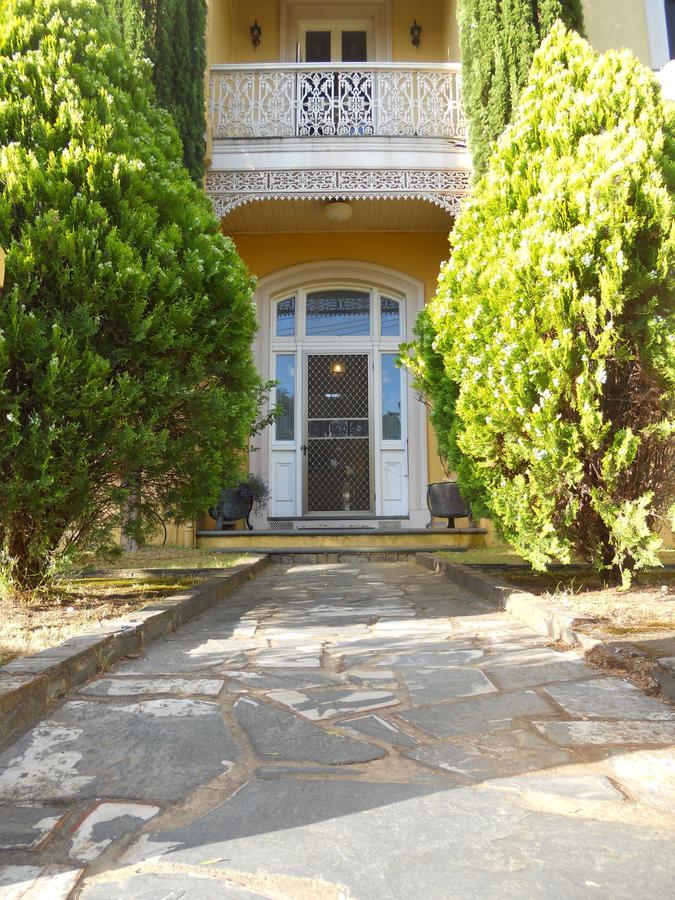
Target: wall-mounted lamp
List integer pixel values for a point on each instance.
(415, 33)
(337, 367)
(256, 31)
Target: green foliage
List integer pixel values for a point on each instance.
(171, 33)
(498, 39)
(126, 379)
(554, 316)
(440, 393)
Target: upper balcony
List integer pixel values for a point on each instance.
(337, 101)
(327, 104)
(315, 131)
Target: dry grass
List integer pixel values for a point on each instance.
(640, 610)
(649, 605)
(31, 623)
(647, 608)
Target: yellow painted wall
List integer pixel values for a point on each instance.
(617, 24)
(429, 14)
(450, 51)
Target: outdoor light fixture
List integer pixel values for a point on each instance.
(337, 211)
(256, 31)
(337, 367)
(415, 33)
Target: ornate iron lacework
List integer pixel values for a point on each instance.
(228, 190)
(302, 101)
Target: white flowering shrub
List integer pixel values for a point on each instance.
(554, 316)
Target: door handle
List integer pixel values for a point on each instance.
(304, 449)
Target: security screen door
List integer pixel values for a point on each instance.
(337, 451)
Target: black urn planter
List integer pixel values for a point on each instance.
(445, 502)
(231, 507)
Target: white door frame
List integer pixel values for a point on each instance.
(347, 273)
(292, 12)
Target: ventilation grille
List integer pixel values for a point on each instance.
(393, 525)
(282, 525)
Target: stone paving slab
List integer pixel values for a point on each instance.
(106, 823)
(527, 668)
(598, 731)
(608, 698)
(491, 713)
(37, 882)
(384, 729)
(432, 659)
(435, 685)
(89, 749)
(155, 886)
(276, 734)
(493, 755)
(125, 687)
(25, 827)
(329, 704)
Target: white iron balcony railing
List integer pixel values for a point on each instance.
(371, 99)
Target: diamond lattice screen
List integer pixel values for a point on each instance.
(338, 441)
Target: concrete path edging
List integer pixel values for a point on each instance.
(541, 615)
(30, 684)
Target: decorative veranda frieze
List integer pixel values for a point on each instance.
(347, 100)
(228, 190)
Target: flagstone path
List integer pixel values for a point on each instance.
(344, 731)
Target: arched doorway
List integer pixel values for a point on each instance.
(350, 445)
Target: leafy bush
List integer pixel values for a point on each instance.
(127, 386)
(554, 316)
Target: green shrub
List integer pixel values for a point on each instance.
(554, 316)
(127, 387)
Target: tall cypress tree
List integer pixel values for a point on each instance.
(171, 33)
(498, 39)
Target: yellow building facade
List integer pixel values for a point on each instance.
(337, 161)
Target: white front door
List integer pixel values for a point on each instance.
(339, 449)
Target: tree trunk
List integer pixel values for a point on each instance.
(27, 568)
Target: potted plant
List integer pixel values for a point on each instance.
(239, 501)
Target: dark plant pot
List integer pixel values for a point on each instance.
(445, 502)
(231, 507)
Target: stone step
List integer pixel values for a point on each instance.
(323, 540)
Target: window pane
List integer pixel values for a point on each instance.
(339, 312)
(317, 46)
(286, 318)
(391, 398)
(354, 46)
(390, 317)
(285, 395)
